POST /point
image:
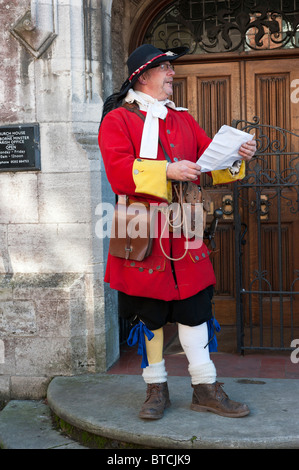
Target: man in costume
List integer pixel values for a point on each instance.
(171, 288)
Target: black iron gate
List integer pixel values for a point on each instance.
(266, 208)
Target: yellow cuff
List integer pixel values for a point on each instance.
(150, 178)
(225, 176)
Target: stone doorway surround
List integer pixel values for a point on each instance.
(56, 315)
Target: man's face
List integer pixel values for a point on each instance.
(158, 81)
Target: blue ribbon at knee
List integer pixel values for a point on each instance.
(137, 336)
(213, 326)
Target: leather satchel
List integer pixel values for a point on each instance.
(131, 230)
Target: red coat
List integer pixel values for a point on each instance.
(119, 141)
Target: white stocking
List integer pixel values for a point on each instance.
(193, 340)
(155, 373)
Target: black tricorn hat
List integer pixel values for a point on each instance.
(143, 58)
(148, 56)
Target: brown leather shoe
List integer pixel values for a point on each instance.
(211, 397)
(157, 399)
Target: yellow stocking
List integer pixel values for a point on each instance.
(154, 347)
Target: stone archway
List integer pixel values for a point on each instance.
(144, 14)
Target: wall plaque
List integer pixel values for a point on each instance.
(19, 147)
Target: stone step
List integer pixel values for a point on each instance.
(27, 424)
(107, 405)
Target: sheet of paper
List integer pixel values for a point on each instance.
(223, 151)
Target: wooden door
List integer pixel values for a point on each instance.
(215, 94)
(272, 256)
(212, 94)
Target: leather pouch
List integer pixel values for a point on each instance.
(131, 230)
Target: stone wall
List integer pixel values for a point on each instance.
(56, 315)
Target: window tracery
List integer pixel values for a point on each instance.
(211, 26)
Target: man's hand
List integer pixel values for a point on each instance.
(247, 150)
(183, 171)
(189, 171)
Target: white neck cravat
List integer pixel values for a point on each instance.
(155, 110)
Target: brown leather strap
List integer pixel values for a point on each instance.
(134, 108)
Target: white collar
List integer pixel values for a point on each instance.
(145, 101)
(155, 110)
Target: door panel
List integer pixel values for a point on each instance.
(268, 85)
(211, 92)
(273, 103)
